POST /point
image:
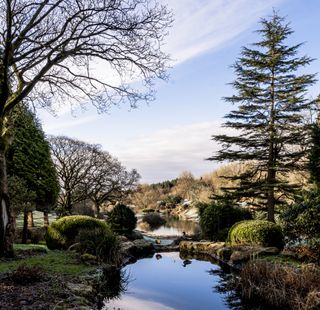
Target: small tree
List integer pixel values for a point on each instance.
(272, 133)
(122, 219)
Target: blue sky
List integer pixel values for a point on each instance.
(172, 133)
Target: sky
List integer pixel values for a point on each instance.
(173, 133)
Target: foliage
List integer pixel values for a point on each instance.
(25, 275)
(302, 220)
(30, 167)
(269, 117)
(62, 233)
(280, 286)
(256, 232)
(154, 219)
(122, 219)
(217, 218)
(173, 199)
(314, 156)
(104, 246)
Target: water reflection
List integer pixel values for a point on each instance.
(172, 227)
(173, 283)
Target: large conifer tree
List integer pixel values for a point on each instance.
(269, 116)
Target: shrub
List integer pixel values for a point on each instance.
(153, 219)
(122, 219)
(24, 274)
(302, 220)
(256, 232)
(216, 219)
(97, 243)
(62, 233)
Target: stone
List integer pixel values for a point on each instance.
(201, 246)
(80, 289)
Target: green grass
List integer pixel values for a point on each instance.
(53, 262)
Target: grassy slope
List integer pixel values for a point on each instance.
(53, 262)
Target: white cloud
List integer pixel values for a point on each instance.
(133, 303)
(206, 25)
(166, 153)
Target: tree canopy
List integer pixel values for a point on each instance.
(269, 117)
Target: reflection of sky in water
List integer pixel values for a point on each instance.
(166, 285)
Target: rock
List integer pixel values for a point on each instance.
(196, 247)
(80, 289)
(268, 251)
(135, 234)
(137, 248)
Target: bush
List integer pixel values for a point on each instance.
(97, 243)
(62, 233)
(153, 219)
(256, 232)
(122, 219)
(302, 220)
(216, 219)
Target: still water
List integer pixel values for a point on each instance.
(173, 283)
(172, 227)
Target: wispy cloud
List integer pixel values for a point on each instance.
(166, 153)
(206, 25)
(57, 125)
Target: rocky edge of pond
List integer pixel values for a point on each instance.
(233, 256)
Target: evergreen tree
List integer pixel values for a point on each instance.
(29, 159)
(270, 99)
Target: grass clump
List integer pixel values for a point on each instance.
(256, 232)
(281, 286)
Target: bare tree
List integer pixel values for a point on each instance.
(75, 162)
(87, 172)
(110, 181)
(48, 49)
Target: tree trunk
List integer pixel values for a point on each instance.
(271, 199)
(30, 219)
(25, 226)
(6, 219)
(46, 219)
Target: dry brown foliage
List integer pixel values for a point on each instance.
(280, 286)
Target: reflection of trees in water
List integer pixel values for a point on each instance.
(111, 284)
(227, 285)
(190, 227)
(182, 225)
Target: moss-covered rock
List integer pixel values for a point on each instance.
(62, 233)
(256, 232)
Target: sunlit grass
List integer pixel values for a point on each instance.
(53, 262)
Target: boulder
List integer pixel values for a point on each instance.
(137, 248)
(201, 246)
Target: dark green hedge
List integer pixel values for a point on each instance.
(256, 232)
(62, 233)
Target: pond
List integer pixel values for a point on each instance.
(173, 283)
(172, 228)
